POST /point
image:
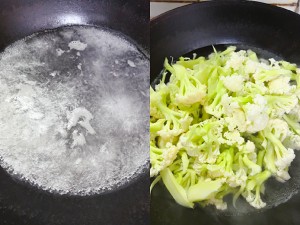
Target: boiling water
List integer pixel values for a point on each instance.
(74, 110)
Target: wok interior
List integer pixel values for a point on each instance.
(21, 203)
(267, 30)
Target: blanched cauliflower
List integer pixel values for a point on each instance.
(233, 83)
(224, 125)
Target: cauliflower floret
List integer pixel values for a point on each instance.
(229, 105)
(256, 114)
(281, 85)
(257, 203)
(292, 141)
(236, 121)
(233, 137)
(286, 159)
(203, 139)
(238, 179)
(250, 88)
(190, 88)
(255, 184)
(249, 196)
(234, 115)
(233, 83)
(282, 176)
(277, 157)
(161, 158)
(260, 100)
(236, 60)
(279, 128)
(251, 66)
(185, 122)
(167, 133)
(249, 147)
(191, 98)
(215, 95)
(170, 155)
(210, 157)
(191, 148)
(268, 74)
(280, 105)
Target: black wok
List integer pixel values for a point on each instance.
(269, 30)
(19, 202)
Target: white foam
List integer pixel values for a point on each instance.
(78, 139)
(77, 45)
(69, 130)
(79, 66)
(85, 115)
(130, 63)
(54, 73)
